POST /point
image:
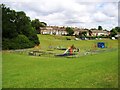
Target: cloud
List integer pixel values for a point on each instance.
(112, 12)
(80, 13)
(64, 1)
(100, 17)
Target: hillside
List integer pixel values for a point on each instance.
(83, 45)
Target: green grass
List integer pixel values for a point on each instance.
(90, 71)
(83, 45)
(85, 72)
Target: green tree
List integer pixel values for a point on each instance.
(17, 27)
(37, 24)
(100, 28)
(69, 31)
(43, 24)
(113, 32)
(9, 29)
(117, 29)
(90, 32)
(22, 23)
(84, 33)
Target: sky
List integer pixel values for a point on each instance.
(75, 13)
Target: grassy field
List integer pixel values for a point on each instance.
(90, 71)
(83, 45)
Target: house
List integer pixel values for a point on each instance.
(100, 33)
(53, 30)
(46, 30)
(61, 30)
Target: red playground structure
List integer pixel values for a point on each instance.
(68, 52)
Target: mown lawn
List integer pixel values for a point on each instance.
(83, 45)
(92, 71)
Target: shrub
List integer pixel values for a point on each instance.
(23, 42)
(20, 42)
(68, 38)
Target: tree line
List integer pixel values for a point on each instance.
(18, 31)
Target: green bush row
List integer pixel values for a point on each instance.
(20, 42)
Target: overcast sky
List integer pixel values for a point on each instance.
(79, 13)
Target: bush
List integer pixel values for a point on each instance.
(32, 36)
(23, 42)
(68, 38)
(20, 42)
(5, 44)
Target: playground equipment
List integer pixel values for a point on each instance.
(72, 51)
(69, 51)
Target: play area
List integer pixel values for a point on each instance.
(72, 51)
(57, 47)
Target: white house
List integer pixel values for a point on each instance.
(56, 30)
(53, 30)
(100, 33)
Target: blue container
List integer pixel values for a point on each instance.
(101, 45)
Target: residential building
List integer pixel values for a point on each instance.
(58, 30)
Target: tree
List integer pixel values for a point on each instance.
(43, 24)
(113, 32)
(37, 24)
(90, 32)
(84, 33)
(69, 31)
(100, 28)
(17, 30)
(8, 22)
(22, 22)
(117, 29)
